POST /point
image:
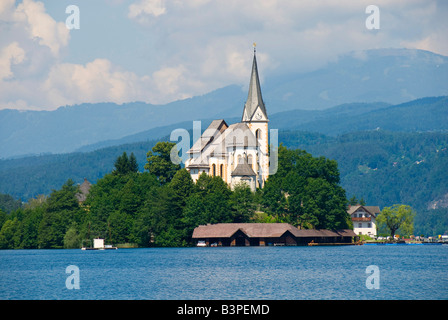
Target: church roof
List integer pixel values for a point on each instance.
(217, 138)
(240, 135)
(214, 129)
(243, 169)
(254, 99)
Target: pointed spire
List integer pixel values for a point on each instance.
(254, 99)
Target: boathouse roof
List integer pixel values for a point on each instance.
(263, 230)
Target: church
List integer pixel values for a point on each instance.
(238, 153)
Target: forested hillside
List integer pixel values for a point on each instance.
(386, 168)
(381, 167)
(426, 114)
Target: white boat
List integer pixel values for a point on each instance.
(201, 244)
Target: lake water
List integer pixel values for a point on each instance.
(273, 273)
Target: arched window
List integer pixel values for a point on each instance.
(221, 170)
(258, 134)
(213, 170)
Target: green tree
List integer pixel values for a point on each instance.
(125, 165)
(30, 225)
(217, 208)
(194, 214)
(104, 198)
(216, 194)
(353, 201)
(72, 239)
(182, 185)
(129, 198)
(133, 164)
(119, 227)
(141, 233)
(8, 203)
(159, 161)
(242, 203)
(3, 218)
(324, 205)
(397, 217)
(305, 191)
(11, 234)
(273, 198)
(115, 207)
(163, 218)
(62, 210)
(39, 201)
(202, 183)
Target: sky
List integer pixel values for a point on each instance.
(158, 51)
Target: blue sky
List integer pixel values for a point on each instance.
(159, 51)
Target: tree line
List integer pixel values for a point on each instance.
(162, 205)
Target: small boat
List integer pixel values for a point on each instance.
(201, 244)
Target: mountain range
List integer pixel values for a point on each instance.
(425, 114)
(378, 81)
(317, 131)
(386, 154)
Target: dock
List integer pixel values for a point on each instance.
(98, 244)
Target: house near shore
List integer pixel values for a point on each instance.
(364, 219)
(265, 234)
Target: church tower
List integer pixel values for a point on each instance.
(238, 153)
(256, 118)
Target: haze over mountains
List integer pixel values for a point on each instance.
(371, 82)
(349, 133)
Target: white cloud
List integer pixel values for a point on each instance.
(145, 8)
(101, 81)
(97, 81)
(42, 26)
(173, 83)
(167, 79)
(212, 39)
(192, 47)
(6, 9)
(12, 54)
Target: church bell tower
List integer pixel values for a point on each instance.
(256, 118)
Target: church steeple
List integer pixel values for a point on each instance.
(254, 109)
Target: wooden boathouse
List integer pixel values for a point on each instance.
(265, 234)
